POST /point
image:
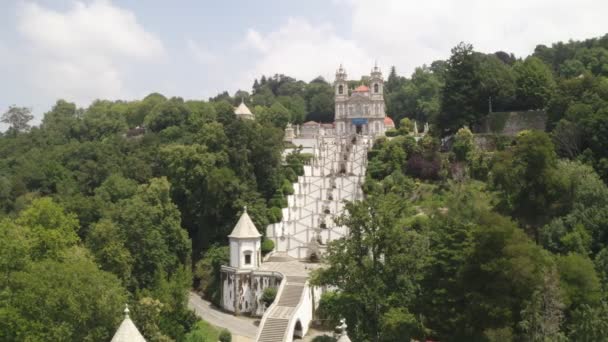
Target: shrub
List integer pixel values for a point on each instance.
(225, 336)
(391, 133)
(270, 293)
(267, 246)
(275, 214)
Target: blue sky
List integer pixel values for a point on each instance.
(88, 49)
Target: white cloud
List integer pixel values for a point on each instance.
(83, 53)
(201, 54)
(305, 51)
(409, 33)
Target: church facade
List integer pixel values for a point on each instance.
(361, 110)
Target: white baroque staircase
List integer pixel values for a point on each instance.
(276, 320)
(335, 174)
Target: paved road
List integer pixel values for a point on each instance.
(242, 326)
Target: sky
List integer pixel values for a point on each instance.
(125, 49)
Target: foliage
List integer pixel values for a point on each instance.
(225, 336)
(17, 118)
(463, 145)
(54, 300)
(269, 295)
(376, 269)
(267, 246)
(203, 332)
(534, 83)
(207, 272)
(527, 180)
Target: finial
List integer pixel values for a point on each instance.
(126, 311)
(244, 209)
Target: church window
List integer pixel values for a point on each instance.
(340, 89)
(376, 87)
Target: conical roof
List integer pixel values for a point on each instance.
(127, 331)
(242, 109)
(245, 227)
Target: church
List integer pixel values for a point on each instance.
(362, 109)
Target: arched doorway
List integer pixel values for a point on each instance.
(298, 332)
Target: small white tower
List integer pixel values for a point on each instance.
(245, 244)
(243, 112)
(127, 331)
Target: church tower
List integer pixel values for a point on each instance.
(341, 97)
(377, 83)
(377, 92)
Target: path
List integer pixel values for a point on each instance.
(242, 328)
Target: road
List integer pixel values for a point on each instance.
(242, 328)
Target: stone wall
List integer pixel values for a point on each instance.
(511, 123)
(242, 290)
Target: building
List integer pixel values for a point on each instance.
(127, 331)
(243, 283)
(361, 110)
(243, 112)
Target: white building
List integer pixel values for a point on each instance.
(363, 110)
(245, 244)
(127, 331)
(243, 112)
(243, 283)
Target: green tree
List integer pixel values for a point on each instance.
(18, 118)
(458, 104)
(376, 269)
(51, 229)
(534, 84)
(69, 300)
(150, 224)
(464, 145)
(527, 179)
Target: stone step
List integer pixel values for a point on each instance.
(291, 295)
(274, 330)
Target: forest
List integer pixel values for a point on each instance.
(131, 202)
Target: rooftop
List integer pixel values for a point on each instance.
(245, 228)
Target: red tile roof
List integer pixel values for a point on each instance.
(361, 89)
(310, 123)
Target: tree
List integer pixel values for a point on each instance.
(534, 84)
(578, 279)
(527, 179)
(51, 229)
(18, 118)
(464, 145)
(207, 272)
(458, 104)
(166, 114)
(376, 269)
(69, 300)
(543, 316)
(150, 224)
(496, 84)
